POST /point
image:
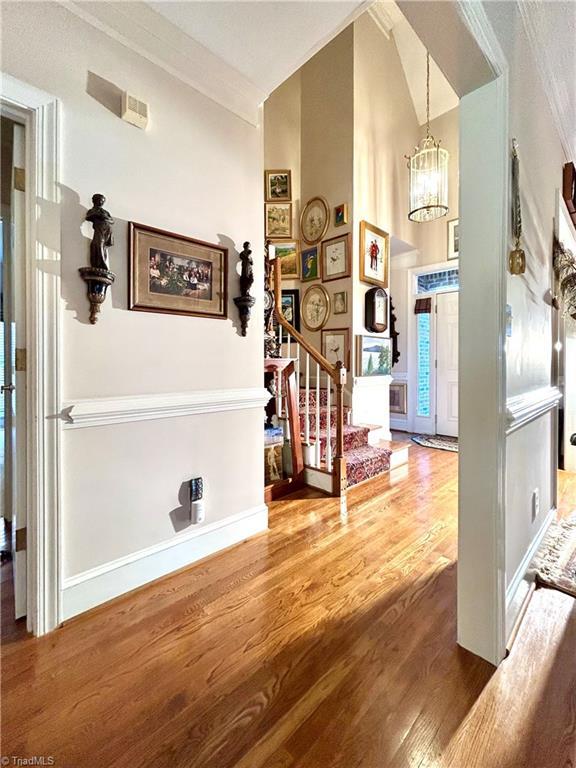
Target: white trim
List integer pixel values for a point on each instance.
(117, 410)
(318, 479)
(43, 308)
(369, 382)
(382, 18)
(109, 580)
(516, 591)
(399, 423)
(524, 408)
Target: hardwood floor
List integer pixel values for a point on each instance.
(316, 645)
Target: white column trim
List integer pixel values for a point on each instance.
(40, 112)
(103, 411)
(524, 408)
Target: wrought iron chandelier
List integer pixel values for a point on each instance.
(428, 169)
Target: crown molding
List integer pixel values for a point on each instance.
(382, 18)
(147, 33)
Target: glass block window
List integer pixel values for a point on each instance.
(437, 281)
(423, 325)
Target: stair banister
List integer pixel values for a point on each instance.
(336, 373)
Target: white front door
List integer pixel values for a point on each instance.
(447, 364)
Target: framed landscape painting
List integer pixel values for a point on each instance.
(288, 253)
(176, 274)
(373, 356)
(310, 264)
(453, 240)
(278, 218)
(374, 255)
(278, 186)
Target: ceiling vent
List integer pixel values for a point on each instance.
(133, 111)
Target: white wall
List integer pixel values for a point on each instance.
(196, 170)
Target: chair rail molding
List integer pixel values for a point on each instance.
(524, 408)
(103, 411)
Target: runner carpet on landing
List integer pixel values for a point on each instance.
(437, 441)
(555, 561)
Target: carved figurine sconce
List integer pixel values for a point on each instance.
(97, 276)
(245, 301)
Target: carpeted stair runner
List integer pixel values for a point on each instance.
(363, 461)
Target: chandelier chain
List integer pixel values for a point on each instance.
(427, 95)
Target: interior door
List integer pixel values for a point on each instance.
(14, 388)
(447, 363)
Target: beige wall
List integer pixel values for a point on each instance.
(196, 170)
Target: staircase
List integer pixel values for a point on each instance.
(363, 461)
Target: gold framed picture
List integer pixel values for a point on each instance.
(278, 218)
(453, 239)
(340, 302)
(278, 186)
(288, 254)
(336, 258)
(341, 215)
(176, 274)
(336, 345)
(398, 397)
(374, 255)
(315, 308)
(314, 220)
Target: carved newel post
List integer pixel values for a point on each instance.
(97, 276)
(245, 302)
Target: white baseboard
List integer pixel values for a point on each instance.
(98, 585)
(400, 423)
(519, 585)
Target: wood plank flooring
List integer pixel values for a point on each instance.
(316, 645)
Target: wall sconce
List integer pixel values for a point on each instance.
(97, 276)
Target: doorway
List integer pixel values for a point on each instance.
(13, 398)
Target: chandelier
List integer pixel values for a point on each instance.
(428, 169)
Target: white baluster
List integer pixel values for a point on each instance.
(289, 345)
(317, 464)
(279, 394)
(307, 402)
(328, 425)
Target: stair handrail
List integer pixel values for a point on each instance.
(336, 372)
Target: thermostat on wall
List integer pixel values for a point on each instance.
(134, 111)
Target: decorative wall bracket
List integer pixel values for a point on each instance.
(97, 276)
(517, 257)
(245, 302)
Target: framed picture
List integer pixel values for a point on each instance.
(376, 310)
(374, 255)
(373, 356)
(278, 186)
(336, 345)
(315, 308)
(398, 397)
(336, 258)
(278, 217)
(453, 239)
(341, 215)
(314, 220)
(288, 253)
(340, 302)
(310, 266)
(176, 274)
(290, 303)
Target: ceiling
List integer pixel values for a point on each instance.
(551, 30)
(265, 41)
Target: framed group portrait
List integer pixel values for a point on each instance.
(176, 274)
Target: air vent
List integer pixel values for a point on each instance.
(134, 111)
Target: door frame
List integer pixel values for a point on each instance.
(441, 293)
(422, 424)
(39, 112)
